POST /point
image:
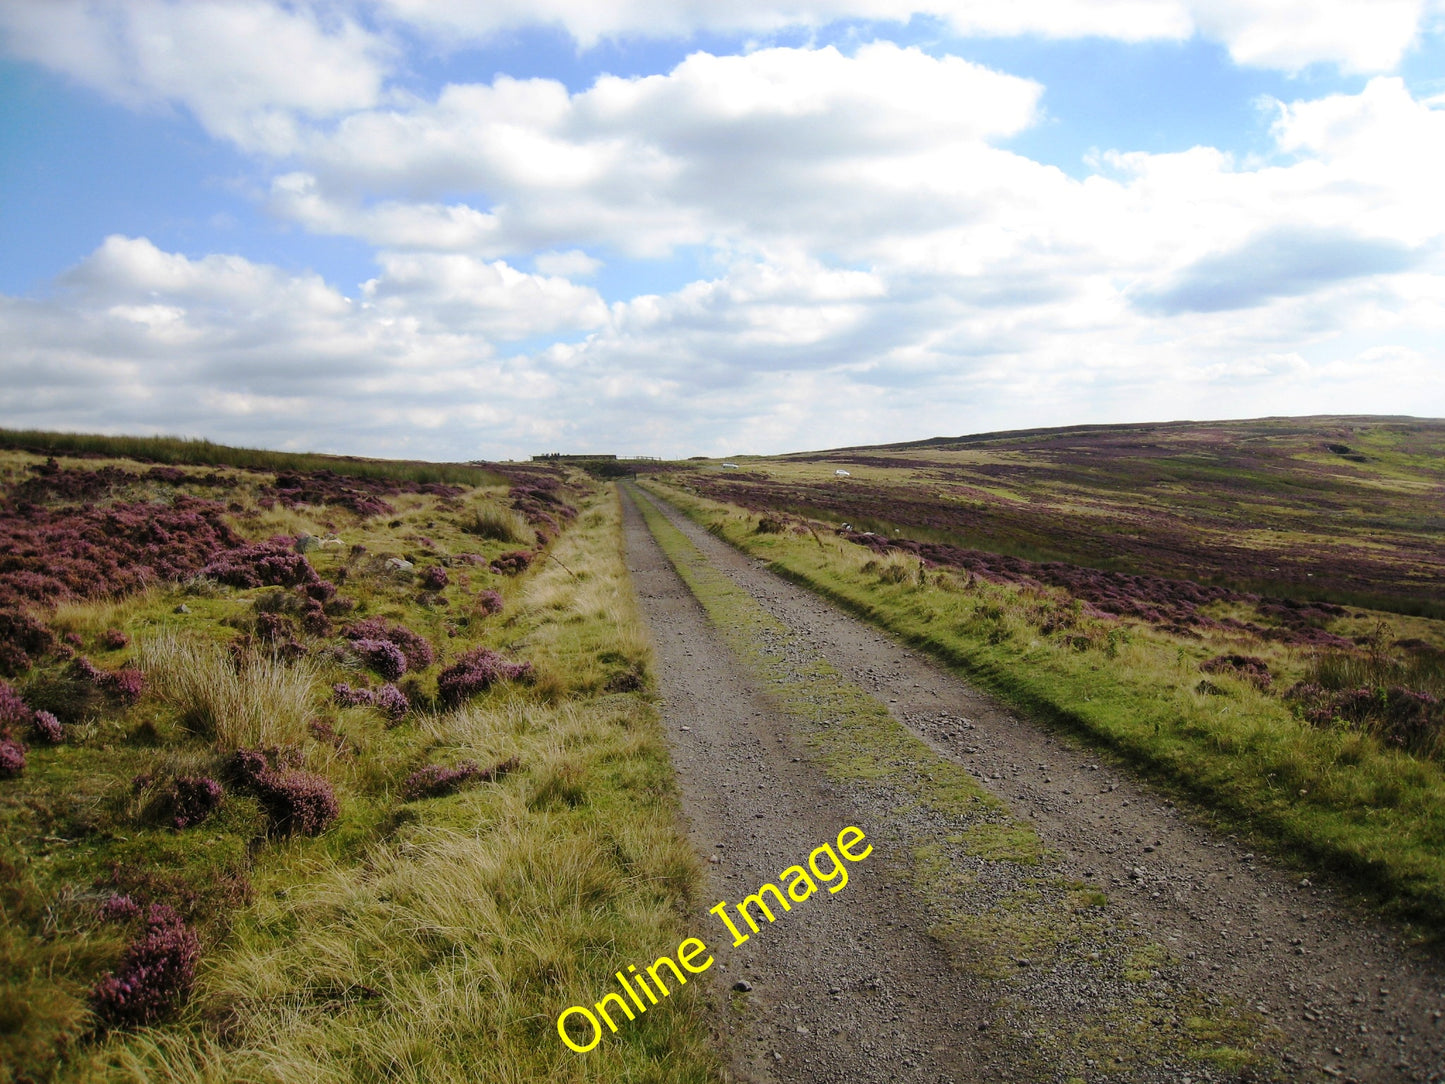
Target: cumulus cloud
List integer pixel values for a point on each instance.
(1358, 35)
(152, 340)
(1377, 151)
(884, 158)
(246, 69)
(881, 266)
(392, 223)
(574, 263)
(779, 143)
(769, 355)
(258, 72)
(493, 299)
(1278, 263)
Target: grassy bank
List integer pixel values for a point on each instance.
(1334, 796)
(497, 842)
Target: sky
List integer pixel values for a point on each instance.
(424, 229)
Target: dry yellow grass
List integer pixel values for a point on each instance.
(264, 702)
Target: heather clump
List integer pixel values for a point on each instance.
(344, 696)
(193, 798)
(12, 757)
(414, 646)
(435, 578)
(154, 975)
(383, 656)
(1248, 668)
(476, 671)
(14, 712)
(489, 602)
(124, 686)
(48, 728)
(1407, 719)
(113, 639)
(272, 563)
(296, 802)
(388, 699)
(538, 500)
(119, 908)
(362, 495)
(391, 701)
(434, 781)
(320, 591)
(297, 489)
(22, 639)
(274, 628)
(512, 563)
(49, 481)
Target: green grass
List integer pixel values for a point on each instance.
(426, 940)
(1320, 797)
(199, 452)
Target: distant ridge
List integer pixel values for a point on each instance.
(1279, 423)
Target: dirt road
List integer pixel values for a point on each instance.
(1074, 926)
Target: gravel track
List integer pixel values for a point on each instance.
(862, 986)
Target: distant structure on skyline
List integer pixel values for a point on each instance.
(566, 457)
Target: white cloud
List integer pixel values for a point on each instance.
(574, 263)
(1358, 35)
(884, 158)
(246, 69)
(780, 143)
(259, 72)
(1379, 154)
(493, 299)
(139, 339)
(884, 268)
(392, 223)
(1131, 20)
(770, 355)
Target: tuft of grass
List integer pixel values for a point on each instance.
(500, 524)
(263, 702)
